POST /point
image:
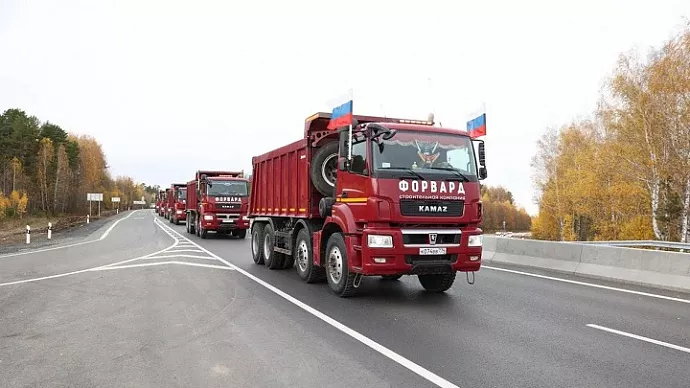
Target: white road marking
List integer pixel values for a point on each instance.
(589, 284)
(164, 263)
(641, 338)
(103, 236)
(410, 365)
(178, 256)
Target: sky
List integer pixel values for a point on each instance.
(169, 87)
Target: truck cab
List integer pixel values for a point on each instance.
(218, 202)
(178, 202)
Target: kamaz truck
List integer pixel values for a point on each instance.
(177, 203)
(386, 197)
(218, 201)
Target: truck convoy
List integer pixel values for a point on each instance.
(218, 201)
(177, 203)
(388, 197)
(160, 200)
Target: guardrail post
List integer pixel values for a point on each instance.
(28, 234)
(87, 218)
(50, 230)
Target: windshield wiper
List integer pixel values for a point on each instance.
(456, 172)
(407, 169)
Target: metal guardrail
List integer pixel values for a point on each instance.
(642, 243)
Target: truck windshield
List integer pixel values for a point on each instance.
(181, 194)
(425, 152)
(227, 188)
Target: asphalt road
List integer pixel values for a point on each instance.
(151, 306)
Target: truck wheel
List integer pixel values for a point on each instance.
(324, 167)
(302, 255)
(340, 279)
(242, 233)
(272, 259)
(437, 282)
(191, 224)
(257, 243)
(391, 277)
(176, 221)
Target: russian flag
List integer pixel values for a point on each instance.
(342, 112)
(477, 125)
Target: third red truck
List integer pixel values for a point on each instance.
(391, 197)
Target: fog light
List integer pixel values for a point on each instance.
(474, 258)
(379, 260)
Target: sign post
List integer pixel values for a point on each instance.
(117, 201)
(95, 197)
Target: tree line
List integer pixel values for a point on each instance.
(44, 170)
(499, 206)
(623, 173)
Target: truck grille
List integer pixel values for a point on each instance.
(423, 239)
(409, 207)
(228, 206)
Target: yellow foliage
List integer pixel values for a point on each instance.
(14, 199)
(22, 204)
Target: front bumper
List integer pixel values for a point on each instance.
(450, 253)
(221, 224)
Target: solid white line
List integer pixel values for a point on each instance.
(69, 245)
(164, 263)
(641, 338)
(589, 284)
(419, 370)
(184, 250)
(107, 232)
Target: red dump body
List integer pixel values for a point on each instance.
(392, 220)
(218, 201)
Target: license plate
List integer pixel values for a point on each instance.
(432, 251)
(229, 221)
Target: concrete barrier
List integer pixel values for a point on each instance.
(667, 270)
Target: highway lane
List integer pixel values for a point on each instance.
(506, 330)
(146, 308)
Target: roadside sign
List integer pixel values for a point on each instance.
(115, 199)
(94, 196)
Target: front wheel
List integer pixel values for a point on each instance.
(340, 280)
(302, 254)
(437, 282)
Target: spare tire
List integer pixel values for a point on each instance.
(324, 168)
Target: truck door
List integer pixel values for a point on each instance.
(352, 183)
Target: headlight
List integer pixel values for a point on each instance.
(475, 241)
(179, 212)
(376, 241)
(208, 217)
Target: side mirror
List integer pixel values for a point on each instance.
(342, 146)
(482, 155)
(389, 135)
(482, 173)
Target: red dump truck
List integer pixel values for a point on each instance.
(162, 204)
(218, 201)
(159, 200)
(165, 211)
(177, 203)
(391, 197)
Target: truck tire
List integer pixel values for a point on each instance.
(302, 255)
(191, 224)
(340, 279)
(324, 167)
(272, 259)
(258, 243)
(176, 220)
(391, 277)
(437, 282)
(242, 233)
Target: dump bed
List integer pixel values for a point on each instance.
(280, 183)
(192, 203)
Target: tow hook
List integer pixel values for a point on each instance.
(358, 279)
(467, 275)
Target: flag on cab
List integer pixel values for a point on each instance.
(341, 116)
(476, 126)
